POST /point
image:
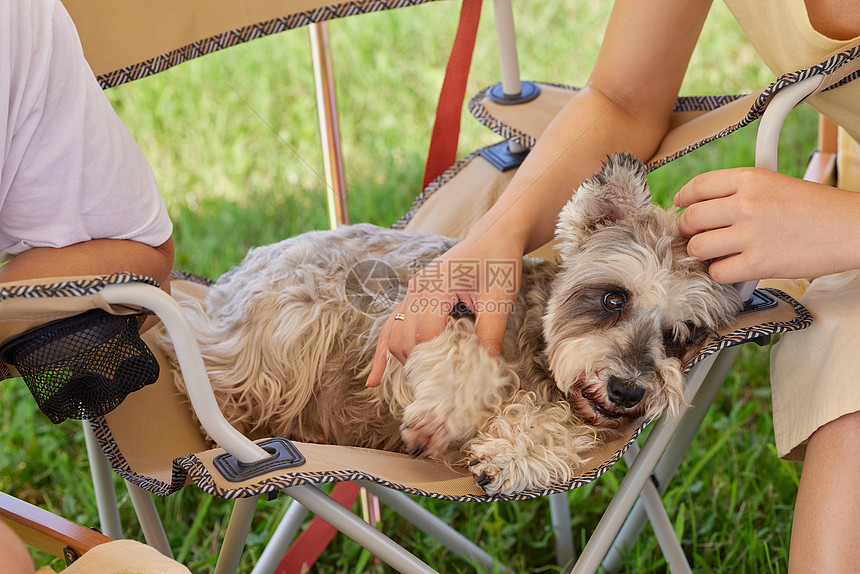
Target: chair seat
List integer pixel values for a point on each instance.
(163, 457)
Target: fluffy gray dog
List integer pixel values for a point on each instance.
(596, 342)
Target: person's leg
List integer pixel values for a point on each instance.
(825, 534)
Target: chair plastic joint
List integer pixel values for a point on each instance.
(283, 453)
(501, 156)
(528, 92)
(758, 301)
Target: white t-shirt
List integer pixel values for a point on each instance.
(70, 170)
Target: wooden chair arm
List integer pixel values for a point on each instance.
(47, 531)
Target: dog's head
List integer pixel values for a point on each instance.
(628, 304)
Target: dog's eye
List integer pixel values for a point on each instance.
(614, 301)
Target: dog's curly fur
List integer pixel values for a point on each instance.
(595, 342)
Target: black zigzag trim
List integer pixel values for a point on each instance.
(75, 288)
(241, 35)
(703, 103)
(183, 276)
(849, 78)
(120, 465)
(802, 320)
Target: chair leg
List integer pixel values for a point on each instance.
(664, 531)
(428, 523)
(103, 483)
(560, 517)
(236, 535)
(358, 530)
(150, 522)
(650, 500)
(285, 533)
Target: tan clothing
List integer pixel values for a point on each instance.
(122, 557)
(814, 373)
(781, 33)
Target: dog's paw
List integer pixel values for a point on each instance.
(491, 477)
(498, 467)
(426, 437)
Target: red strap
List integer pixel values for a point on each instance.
(446, 128)
(308, 546)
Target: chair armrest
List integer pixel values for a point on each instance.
(47, 531)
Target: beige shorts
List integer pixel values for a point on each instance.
(815, 374)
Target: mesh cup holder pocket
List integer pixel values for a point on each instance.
(84, 366)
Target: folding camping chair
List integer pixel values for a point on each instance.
(182, 456)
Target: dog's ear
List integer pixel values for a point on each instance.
(615, 193)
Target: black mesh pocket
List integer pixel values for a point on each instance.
(84, 366)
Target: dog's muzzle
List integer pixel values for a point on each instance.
(610, 402)
(624, 394)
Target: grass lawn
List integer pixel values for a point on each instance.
(233, 140)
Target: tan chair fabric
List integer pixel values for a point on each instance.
(163, 457)
(128, 40)
(455, 203)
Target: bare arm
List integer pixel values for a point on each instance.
(625, 106)
(96, 257)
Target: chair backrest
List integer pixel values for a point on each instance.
(134, 39)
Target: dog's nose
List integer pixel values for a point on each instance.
(624, 394)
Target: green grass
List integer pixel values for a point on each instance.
(233, 140)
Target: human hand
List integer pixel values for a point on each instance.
(751, 223)
(483, 274)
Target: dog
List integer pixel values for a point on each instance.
(596, 341)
